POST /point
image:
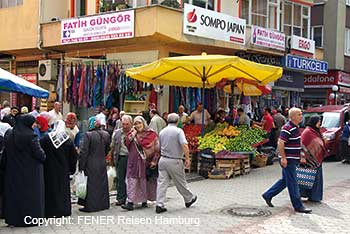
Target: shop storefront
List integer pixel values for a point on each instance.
(321, 89)
(301, 66)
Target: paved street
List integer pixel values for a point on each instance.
(211, 214)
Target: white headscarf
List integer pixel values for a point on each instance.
(59, 135)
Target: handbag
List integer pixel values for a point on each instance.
(306, 177)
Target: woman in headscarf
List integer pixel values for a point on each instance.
(24, 173)
(94, 148)
(72, 128)
(315, 151)
(42, 126)
(3, 129)
(60, 163)
(141, 172)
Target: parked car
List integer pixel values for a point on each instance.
(333, 117)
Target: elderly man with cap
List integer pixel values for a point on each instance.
(120, 156)
(173, 145)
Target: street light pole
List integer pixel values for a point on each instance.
(335, 89)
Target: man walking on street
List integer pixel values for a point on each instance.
(289, 149)
(120, 155)
(173, 145)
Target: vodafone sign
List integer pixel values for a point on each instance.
(200, 22)
(327, 80)
(302, 44)
(320, 80)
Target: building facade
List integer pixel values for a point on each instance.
(269, 31)
(330, 28)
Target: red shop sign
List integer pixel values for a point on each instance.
(343, 78)
(320, 79)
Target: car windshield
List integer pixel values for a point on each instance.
(329, 119)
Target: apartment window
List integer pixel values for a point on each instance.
(10, 3)
(347, 2)
(263, 13)
(296, 19)
(207, 4)
(80, 8)
(317, 35)
(347, 42)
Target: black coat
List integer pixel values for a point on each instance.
(93, 149)
(10, 119)
(59, 164)
(24, 173)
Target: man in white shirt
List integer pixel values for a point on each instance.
(55, 114)
(182, 114)
(196, 115)
(102, 117)
(6, 109)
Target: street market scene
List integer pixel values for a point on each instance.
(235, 119)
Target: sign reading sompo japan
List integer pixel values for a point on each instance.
(201, 22)
(111, 26)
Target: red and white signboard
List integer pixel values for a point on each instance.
(302, 44)
(327, 80)
(268, 38)
(201, 22)
(344, 79)
(118, 25)
(32, 79)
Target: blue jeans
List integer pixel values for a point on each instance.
(289, 180)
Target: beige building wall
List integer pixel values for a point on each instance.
(230, 7)
(19, 26)
(54, 9)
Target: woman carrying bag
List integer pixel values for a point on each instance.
(141, 172)
(315, 151)
(94, 148)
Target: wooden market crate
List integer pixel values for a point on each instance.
(221, 173)
(245, 166)
(231, 164)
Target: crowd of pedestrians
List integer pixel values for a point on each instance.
(41, 150)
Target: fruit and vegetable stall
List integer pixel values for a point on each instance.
(225, 151)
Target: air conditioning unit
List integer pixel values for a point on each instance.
(47, 69)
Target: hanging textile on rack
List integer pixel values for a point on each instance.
(97, 93)
(81, 87)
(70, 78)
(60, 84)
(90, 84)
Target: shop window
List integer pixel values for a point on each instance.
(317, 35)
(10, 3)
(207, 4)
(296, 19)
(347, 42)
(263, 13)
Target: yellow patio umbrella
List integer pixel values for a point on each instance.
(249, 88)
(203, 71)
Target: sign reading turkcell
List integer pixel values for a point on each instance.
(200, 22)
(305, 64)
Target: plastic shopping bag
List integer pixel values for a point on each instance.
(81, 185)
(111, 174)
